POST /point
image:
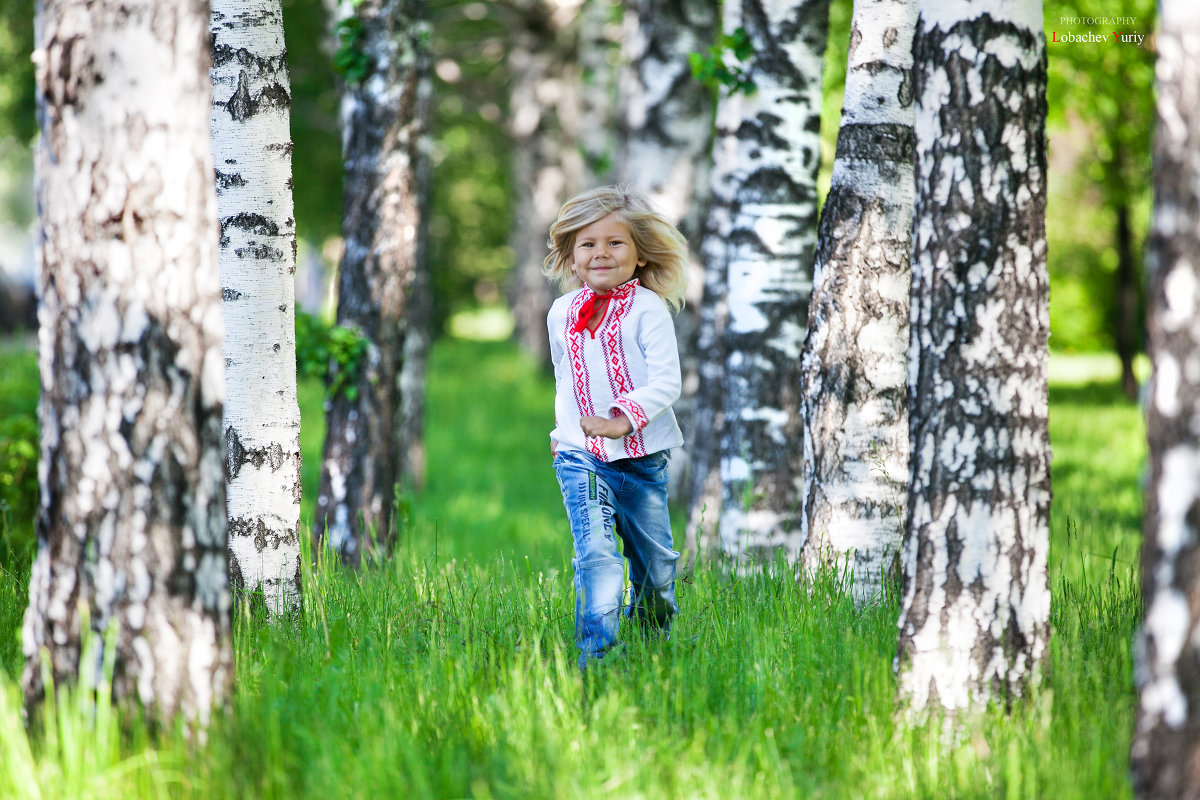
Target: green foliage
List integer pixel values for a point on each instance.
(1101, 106)
(833, 87)
(333, 354)
(17, 120)
(350, 61)
(317, 157)
(724, 64)
(18, 124)
(18, 456)
(471, 195)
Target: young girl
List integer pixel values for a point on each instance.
(616, 374)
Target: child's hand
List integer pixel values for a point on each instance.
(613, 428)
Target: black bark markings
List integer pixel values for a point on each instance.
(237, 454)
(880, 143)
(252, 223)
(242, 105)
(255, 225)
(254, 528)
(983, 242)
(226, 180)
(222, 54)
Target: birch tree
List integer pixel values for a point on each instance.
(974, 625)
(1166, 745)
(252, 150)
(855, 358)
(131, 524)
(599, 87)
(666, 140)
(373, 419)
(547, 167)
(667, 131)
(759, 245)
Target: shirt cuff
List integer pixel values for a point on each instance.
(632, 411)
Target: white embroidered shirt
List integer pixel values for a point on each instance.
(630, 365)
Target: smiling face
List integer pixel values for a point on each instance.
(604, 254)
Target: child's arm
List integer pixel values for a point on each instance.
(656, 339)
(557, 351)
(613, 428)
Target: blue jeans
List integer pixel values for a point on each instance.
(627, 498)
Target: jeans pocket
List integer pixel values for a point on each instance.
(656, 465)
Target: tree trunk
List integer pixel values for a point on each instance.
(547, 167)
(599, 25)
(975, 615)
(131, 528)
(1127, 300)
(666, 143)
(762, 224)
(1166, 745)
(855, 359)
(667, 133)
(385, 124)
(252, 149)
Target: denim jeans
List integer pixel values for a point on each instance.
(625, 498)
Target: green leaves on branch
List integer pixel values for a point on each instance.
(723, 64)
(350, 60)
(332, 353)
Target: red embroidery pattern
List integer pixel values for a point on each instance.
(579, 375)
(617, 367)
(635, 412)
(635, 445)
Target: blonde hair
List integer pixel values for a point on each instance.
(654, 237)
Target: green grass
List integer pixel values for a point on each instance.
(1098, 440)
(449, 671)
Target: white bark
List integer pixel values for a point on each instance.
(131, 526)
(760, 241)
(1166, 746)
(975, 619)
(252, 150)
(856, 354)
(372, 436)
(599, 27)
(546, 163)
(668, 114)
(666, 142)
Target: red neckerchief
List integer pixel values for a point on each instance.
(594, 304)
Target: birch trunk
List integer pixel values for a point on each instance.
(599, 25)
(667, 132)
(855, 359)
(666, 143)
(546, 164)
(762, 225)
(252, 150)
(1166, 745)
(975, 620)
(369, 433)
(131, 525)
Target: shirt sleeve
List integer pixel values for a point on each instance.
(656, 340)
(554, 327)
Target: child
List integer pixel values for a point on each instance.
(616, 374)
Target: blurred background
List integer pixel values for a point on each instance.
(507, 75)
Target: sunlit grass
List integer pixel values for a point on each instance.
(449, 671)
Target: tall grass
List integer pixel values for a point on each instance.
(449, 671)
